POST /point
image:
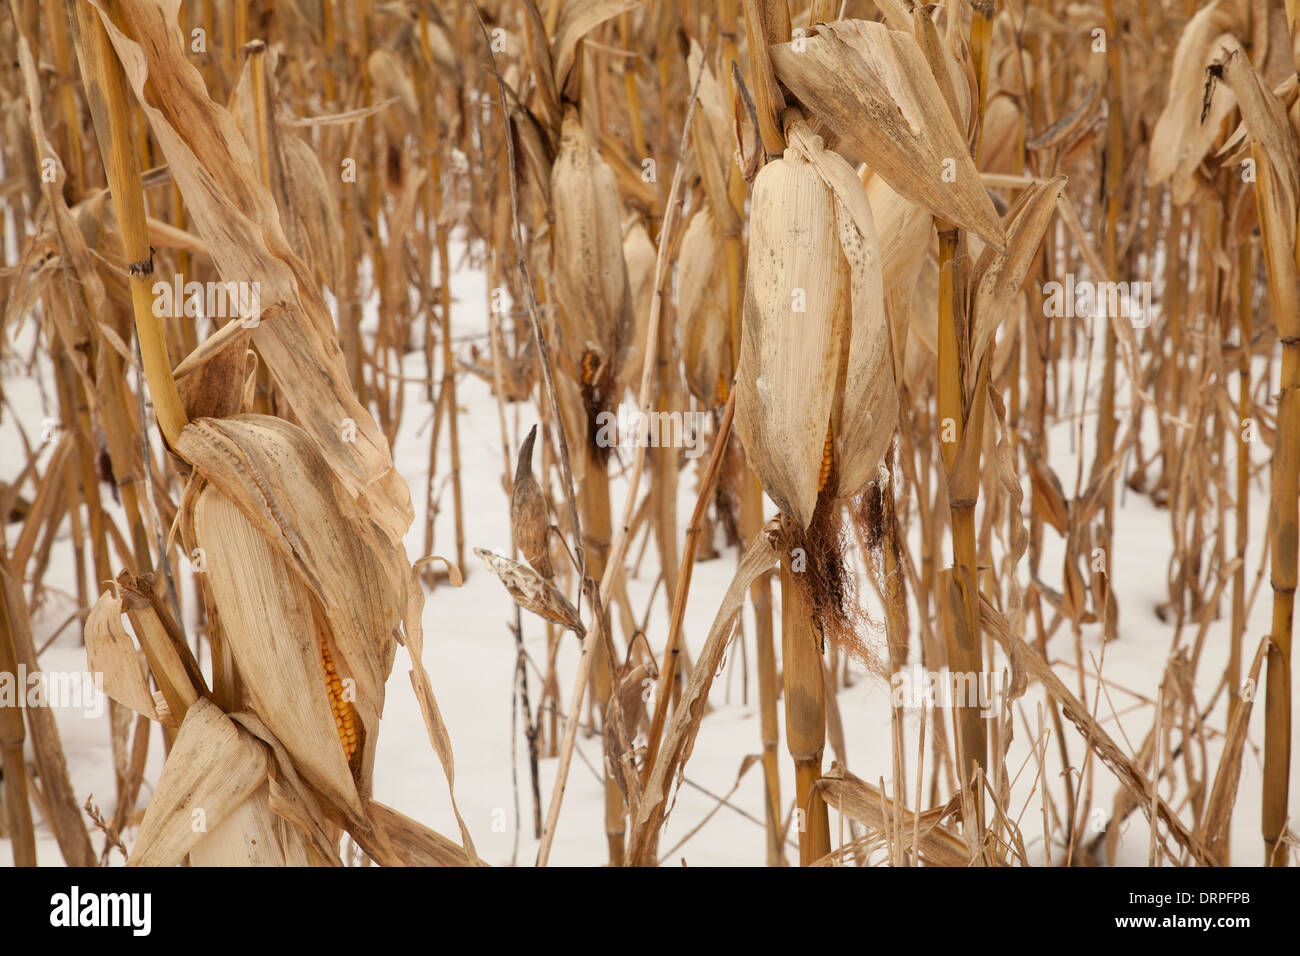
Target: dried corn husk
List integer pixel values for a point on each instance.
(271, 627)
(1187, 129)
(212, 768)
(252, 835)
(591, 282)
(640, 255)
(802, 373)
(532, 591)
(702, 310)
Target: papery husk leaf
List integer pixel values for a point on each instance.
(640, 254)
(867, 410)
(532, 591)
(252, 835)
(702, 308)
(1181, 139)
(111, 652)
(272, 471)
(213, 766)
(997, 277)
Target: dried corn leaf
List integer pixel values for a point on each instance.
(415, 843)
(935, 844)
(237, 218)
(111, 652)
(532, 591)
(1223, 793)
(874, 88)
(997, 277)
(679, 737)
(577, 19)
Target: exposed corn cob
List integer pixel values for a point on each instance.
(589, 364)
(828, 455)
(722, 391)
(345, 718)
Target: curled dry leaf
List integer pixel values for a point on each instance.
(529, 522)
(998, 276)
(532, 591)
(111, 652)
(875, 89)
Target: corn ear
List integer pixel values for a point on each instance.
(797, 300)
(270, 623)
(702, 309)
(640, 254)
(591, 280)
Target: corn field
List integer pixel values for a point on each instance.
(860, 433)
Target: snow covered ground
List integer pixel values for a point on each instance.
(470, 655)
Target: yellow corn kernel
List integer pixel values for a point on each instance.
(722, 390)
(345, 716)
(590, 364)
(828, 455)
